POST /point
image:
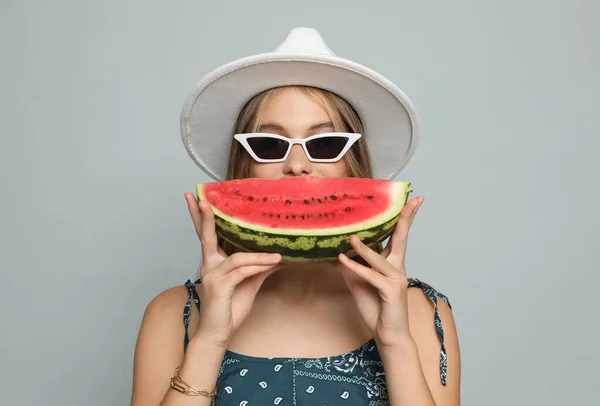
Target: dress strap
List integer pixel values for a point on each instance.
(432, 294)
(187, 311)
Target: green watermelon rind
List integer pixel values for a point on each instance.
(315, 245)
(301, 248)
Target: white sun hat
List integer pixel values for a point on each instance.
(211, 109)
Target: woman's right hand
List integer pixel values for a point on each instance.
(229, 284)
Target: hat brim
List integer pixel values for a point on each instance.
(210, 111)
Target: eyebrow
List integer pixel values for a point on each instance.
(320, 126)
(271, 127)
(278, 127)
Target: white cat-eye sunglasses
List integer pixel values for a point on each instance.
(270, 148)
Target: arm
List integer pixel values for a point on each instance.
(404, 321)
(229, 286)
(159, 351)
(412, 368)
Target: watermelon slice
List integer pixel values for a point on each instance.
(305, 218)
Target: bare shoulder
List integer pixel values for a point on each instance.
(425, 330)
(164, 306)
(159, 347)
(420, 299)
(421, 309)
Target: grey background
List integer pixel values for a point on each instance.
(93, 223)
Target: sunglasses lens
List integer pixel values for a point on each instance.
(268, 148)
(326, 147)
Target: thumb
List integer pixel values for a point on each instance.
(387, 250)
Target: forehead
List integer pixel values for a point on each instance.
(295, 108)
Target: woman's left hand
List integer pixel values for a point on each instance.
(380, 292)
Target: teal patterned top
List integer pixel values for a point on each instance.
(354, 378)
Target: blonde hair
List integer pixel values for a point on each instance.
(343, 117)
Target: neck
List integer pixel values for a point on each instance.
(302, 282)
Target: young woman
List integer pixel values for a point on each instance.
(254, 331)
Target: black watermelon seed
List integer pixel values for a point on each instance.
(270, 214)
(345, 196)
(306, 201)
(288, 202)
(264, 199)
(250, 198)
(348, 209)
(287, 217)
(278, 216)
(333, 197)
(370, 197)
(293, 216)
(319, 200)
(303, 217)
(325, 197)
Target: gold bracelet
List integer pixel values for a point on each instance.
(181, 386)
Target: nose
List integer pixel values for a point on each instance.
(297, 163)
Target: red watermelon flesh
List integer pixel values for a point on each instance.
(300, 202)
